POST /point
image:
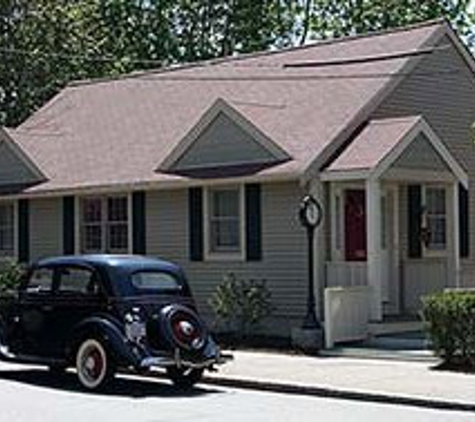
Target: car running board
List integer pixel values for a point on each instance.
(6, 356)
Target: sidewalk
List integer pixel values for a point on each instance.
(410, 383)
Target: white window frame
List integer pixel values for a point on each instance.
(104, 222)
(14, 252)
(210, 255)
(427, 250)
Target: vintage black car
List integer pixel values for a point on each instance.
(100, 313)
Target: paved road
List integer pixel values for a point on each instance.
(30, 395)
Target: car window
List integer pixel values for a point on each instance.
(41, 280)
(154, 280)
(77, 280)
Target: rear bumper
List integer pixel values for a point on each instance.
(178, 360)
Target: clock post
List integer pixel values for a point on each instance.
(310, 215)
(309, 336)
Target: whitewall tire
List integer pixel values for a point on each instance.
(93, 364)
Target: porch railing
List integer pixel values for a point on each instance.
(346, 274)
(346, 314)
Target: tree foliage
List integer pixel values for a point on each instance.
(334, 18)
(44, 44)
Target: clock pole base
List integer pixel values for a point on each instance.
(308, 340)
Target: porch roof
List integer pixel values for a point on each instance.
(380, 145)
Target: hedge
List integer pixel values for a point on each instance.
(450, 322)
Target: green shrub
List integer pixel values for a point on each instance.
(450, 322)
(241, 304)
(11, 275)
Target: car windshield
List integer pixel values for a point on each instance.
(154, 280)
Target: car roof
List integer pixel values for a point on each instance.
(124, 262)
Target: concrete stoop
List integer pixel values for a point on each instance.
(405, 346)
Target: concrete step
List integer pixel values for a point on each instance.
(373, 353)
(398, 343)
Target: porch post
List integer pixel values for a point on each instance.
(373, 236)
(454, 264)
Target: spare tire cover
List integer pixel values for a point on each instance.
(183, 328)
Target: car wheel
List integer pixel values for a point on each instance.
(184, 377)
(94, 364)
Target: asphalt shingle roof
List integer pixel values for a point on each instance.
(117, 132)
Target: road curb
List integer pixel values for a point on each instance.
(316, 391)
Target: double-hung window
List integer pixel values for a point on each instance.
(224, 221)
(7, 229)
(105, 224)
(436, 218)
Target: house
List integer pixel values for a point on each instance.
(205, 165)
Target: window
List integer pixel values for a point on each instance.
(225, 220)
(436, 218)
(105, 224)
(41, 280)
(7, 229)
(77, 280)
(154, 280)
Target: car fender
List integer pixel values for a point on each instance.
(108, 331)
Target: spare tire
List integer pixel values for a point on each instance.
(183, 328)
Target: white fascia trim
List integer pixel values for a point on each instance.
(344, 175)
(158, 185)
(420, 176)
(221, 106)
(421, 127)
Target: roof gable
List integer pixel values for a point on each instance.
(223, 138)
(407, 143)
(16, 168)
(420, 155)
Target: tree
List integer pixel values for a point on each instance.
(335, 18)
(44, 44)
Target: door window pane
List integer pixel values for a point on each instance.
(76, 280)
(41, 280)
(436, 218)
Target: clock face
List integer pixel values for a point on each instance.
(312, 213)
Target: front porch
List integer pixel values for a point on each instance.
(394, 229)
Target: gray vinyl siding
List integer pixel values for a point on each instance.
(284, 264)
(223, 142)
(45, 228)
(12, 170)
(421, 155)
(442, 90)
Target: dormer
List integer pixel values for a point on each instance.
(223, 143)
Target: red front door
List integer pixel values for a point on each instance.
(355, 225)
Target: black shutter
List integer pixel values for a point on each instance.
(23, 230)
(195, 223)
(68, 225)
(414, 221)
(253, 222)
(138, 223)
(464, 222)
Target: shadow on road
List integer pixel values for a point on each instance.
(120, 386)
